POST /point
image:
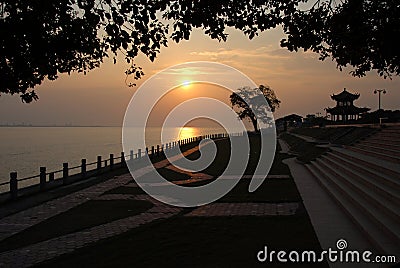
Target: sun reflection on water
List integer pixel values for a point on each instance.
(188, 132)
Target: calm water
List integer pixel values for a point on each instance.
(25, 149)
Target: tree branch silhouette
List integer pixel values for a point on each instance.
(249, 105)
(40, 39)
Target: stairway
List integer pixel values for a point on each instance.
(384, 144)
(364, 180)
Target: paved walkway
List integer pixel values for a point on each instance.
(39, 252)
(17, 222)
(42, 251)
(245, 209)
(285, 149)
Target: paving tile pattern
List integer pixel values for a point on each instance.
(245, 209)
(36, 253)
(39, 252)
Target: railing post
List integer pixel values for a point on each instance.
(122, 159)
(147, 151)
(51, 176)
(158, 150)
(83, 168)
(65, 173)
(42, 178)
(139, 151)
(99, 162)
(13, 185)
(131, 155)
(152, 151)
(111, 161)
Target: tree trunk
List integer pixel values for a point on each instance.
(255, 126)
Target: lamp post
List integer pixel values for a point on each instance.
(379, 91)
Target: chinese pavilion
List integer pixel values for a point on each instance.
(345, 109)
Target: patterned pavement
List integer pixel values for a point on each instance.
(39, 252)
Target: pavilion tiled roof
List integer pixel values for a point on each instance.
(345, 96)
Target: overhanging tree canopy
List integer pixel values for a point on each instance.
(40, 39)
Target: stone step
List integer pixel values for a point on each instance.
(391, 182)
(382, 137)
(375, 184)
(383, 199)
(381, 144)
(391, 130)
(365, 202)
(378, 236)
(379, 165)
(378, 155)
(387, 135)
(392, 144)
(391, 151)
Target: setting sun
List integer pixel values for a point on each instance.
(186, 84)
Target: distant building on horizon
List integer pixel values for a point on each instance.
(292, 120)
(345, 110)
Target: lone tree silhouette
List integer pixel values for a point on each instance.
(247, 99)
(40, 39)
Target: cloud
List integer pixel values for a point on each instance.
(223, 54)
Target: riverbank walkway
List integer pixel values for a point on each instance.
(36, 253)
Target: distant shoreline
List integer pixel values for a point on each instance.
(4, 126)
(51, 126)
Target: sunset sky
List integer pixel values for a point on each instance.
(302, 82)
